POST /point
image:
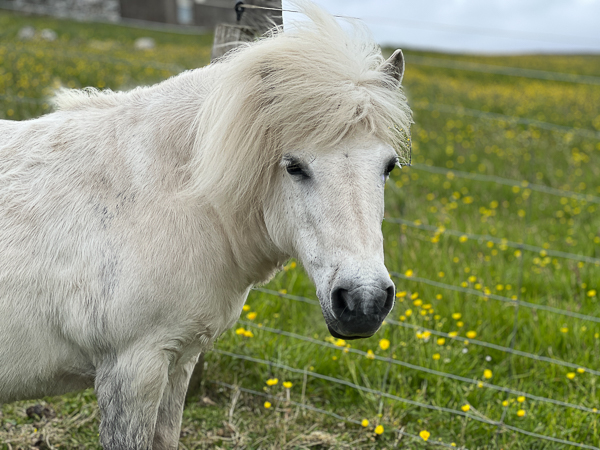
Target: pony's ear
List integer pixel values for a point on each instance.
(394, 66)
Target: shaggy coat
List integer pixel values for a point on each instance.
(134, 224)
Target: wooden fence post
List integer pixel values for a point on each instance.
(252, 23)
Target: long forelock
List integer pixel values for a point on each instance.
(307, 88)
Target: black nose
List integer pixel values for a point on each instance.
(359, 311)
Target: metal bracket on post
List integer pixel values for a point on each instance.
(239, 10)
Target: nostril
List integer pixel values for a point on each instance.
(389, 301)
(340, 302)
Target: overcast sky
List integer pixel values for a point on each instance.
(477, 26)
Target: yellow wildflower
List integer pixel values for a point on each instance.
(379, 429)
(287, 384)
(240, 331)
(272, 381)
(251, 316)
(370, 354)
(487, 373)
(571, 375)
(384, 344)
(466, 407)
(471, 334)
(267, 405)
(365, 423)
(425, 435)
(521, 412)
(441, 341)
(246, 307)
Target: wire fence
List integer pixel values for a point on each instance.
(516, 303)
(308, 407)
(496, 240)
(454, 337)
(378, 393)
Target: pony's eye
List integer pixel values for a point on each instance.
(390, 167)
(296, 170)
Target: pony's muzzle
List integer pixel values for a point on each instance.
(360, 310)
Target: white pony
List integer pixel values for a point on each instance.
(133, 224)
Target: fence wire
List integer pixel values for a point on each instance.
(507, 182)
(496, 240)
(501, 298)
(323, 411)
(462, 111)
(502, 70)
(424, 369)
(479, 418)
(449, 336)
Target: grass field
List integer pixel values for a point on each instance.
(449, 246)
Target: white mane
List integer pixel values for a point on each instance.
(311, 86)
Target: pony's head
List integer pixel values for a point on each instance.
(304, 127)
(327, 211)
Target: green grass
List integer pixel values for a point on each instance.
(103, 56)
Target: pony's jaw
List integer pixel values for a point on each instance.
(331, 221)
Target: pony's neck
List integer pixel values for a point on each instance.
(256, 257)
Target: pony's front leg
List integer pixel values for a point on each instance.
(129, 390)
(168, 422)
